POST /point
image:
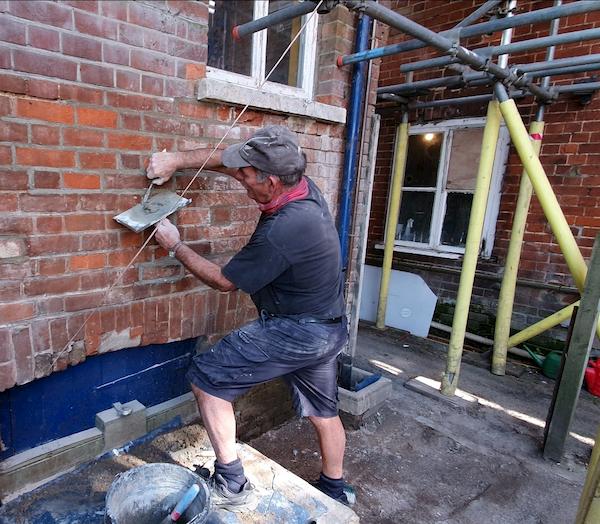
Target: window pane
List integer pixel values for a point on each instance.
(423, 159)
(414, 222)
(464, 158)
(223, 52)
(279, 36)
(456, 221)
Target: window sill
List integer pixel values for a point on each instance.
(424, 252)
(210, 89)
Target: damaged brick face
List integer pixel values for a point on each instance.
(87, 91)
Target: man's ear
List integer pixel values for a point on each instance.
(275, 183)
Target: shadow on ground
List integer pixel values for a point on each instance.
(425, 461)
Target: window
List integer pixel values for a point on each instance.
(439, 183)
(248, 61)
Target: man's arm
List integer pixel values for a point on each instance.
(162, 165)
(168, 237)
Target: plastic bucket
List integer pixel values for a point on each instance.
(146, 494)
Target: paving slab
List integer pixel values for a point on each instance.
(78, 496)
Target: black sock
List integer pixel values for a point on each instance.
(233, 473)
(332, 487)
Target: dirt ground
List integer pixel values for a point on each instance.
(420, 460)
(425, 461)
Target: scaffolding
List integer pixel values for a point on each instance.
(506, 83)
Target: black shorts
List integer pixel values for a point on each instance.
(304, 354)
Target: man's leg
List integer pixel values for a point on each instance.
(332, 441)
(219, 420)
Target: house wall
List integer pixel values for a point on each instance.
(88, 89)
(571, 145)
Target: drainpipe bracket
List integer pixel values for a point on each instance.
(326, 6)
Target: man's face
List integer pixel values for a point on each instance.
(261, 192)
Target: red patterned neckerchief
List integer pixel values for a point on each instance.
(298, 192)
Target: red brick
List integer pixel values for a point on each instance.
(188, 50)
(131, 161)
(87, 5)
(12, 31)
(84, 222)
(47, 245)
(96, 117)
(12, 132)
(49, 13)
(152, 85)
(8, 375)
(97, 160)
(90, 261)
(137, 102)
(83, 137)
(82, 47)
(49, 224)
(114, 10)
(42, 110)
(21, 338)
(129, 142)
(45, 135)
(40, 335)
(115, 54)
(43, 89)
(81, 181)
(44, 38)
(131, 121)
(96, 241)
(195, 71)
(52, 286)
(98, 75)
(194, 10)
(131, 34)
(45, 157)
(196, 110)
(6, 352)
(164, 125)
(96, 25)
(8, 202)
(48, 203)
(46, 180)
(15, 312)
(128, 81)
(151, 18)
(44, 65)
(82, 94)
(84, 301)
(152, 62)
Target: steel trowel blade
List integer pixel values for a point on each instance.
(157, 207)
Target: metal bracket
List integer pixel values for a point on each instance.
(326, 6)
(121, 410)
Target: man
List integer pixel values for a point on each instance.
(291, 267)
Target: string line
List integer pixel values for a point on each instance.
(68, 345)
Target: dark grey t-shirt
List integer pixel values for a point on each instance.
(292, 263)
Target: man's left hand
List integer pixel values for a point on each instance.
(167, 234)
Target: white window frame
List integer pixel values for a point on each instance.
(435, 247)
(307, 60)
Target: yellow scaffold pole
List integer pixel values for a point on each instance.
(543, 189)
(467, 275)
(543, 325)
(589, 503)
(511, 267)
(400, 155)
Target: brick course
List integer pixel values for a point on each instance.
(88, 91)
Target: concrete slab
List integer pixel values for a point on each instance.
(78, 496)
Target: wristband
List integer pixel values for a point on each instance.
(173, 250)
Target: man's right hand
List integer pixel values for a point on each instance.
(161, 167)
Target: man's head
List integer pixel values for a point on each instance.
(272, 151)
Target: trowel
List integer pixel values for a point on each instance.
(152, 209)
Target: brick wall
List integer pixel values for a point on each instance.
(570, 150)
(88, 89)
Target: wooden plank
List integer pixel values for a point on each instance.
(569, 383)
